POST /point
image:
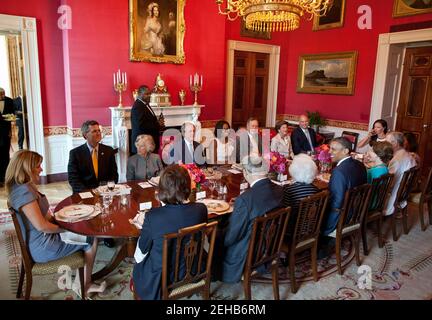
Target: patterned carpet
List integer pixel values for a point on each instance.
(400, 270)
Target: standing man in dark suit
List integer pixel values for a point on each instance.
(347, 174)
(186, 149)
(249, 142)
(91, 162)
(262, 197)
(18, 110)
(143, 119)
(6, 107)
(303, 138)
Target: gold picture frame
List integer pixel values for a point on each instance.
(327, 73)
(244, 32)
(402, 8)
(333, 19)
(157, 34)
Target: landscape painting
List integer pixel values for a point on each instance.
(330, 73)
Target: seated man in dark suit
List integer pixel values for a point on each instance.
(186, 149)
(347, 174)
(262, 197)
(303, 138)
(248, 142)
(91, 162)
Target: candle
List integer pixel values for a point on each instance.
(118, 77)
(201, 81)
(196, 79)
(125, 78)
(190, 80)
(114, 79)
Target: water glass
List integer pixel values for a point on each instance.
(107, 199)
(124, 199)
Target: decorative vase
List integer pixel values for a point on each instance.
(182, 95)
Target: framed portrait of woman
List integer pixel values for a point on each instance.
(403, 8)
(157, 29)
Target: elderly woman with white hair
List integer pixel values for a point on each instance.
(303, 171)
(145, 164)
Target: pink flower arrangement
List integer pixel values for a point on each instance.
(196, 174)
(278, 162)
(323, 153)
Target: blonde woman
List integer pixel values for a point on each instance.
(145, 164)
(31, 206)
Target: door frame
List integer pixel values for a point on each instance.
(26, 27)
(386, 44)
(272, 89)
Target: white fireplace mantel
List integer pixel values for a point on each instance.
(120, 121)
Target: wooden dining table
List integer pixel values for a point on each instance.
(114, 222)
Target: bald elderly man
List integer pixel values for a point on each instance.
(303, 138)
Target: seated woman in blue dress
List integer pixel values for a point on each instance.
(145, 164)
(41, 232)
(378, 156)
(176, 213)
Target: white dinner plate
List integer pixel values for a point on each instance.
(216, 206)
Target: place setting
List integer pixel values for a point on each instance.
(112, 188)
(77, 212)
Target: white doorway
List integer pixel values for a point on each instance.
(273, 77)
(26, 28)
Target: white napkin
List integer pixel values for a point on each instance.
(234, 171)
(73, 238)
(86, 195)
(138, 220)
(145, 185)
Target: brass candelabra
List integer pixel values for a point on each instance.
(196, 86)
(120, 85)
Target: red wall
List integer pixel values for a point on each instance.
(305, 41)
(50, 54)
(99, 45)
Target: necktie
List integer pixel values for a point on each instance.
(95, 162)
(308, 138)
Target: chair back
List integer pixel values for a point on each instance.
(352, 137)
(310, 215)
(25, 253)
(409, 180)
(186, 267)
(266, 238)
(381, 187)
(427, 188)
(354, 208)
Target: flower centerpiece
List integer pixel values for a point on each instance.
(196, 174)
(278, 164)
(323, 156)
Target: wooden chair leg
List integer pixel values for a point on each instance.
(275, 279)
(338, 255)
(247, 288)
(421, 216)
(364, 239)
(380, 236)
(21, 281)
(430, 211)
(314, 255)
(29, 282)
(82, 282)
(405, 219)
(356, 239)
(292, 273)
(393, 226)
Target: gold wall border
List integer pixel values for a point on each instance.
(74, 132)
(330, 122)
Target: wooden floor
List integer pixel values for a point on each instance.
(55, 192)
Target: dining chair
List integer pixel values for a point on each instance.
(265, 247)
(422, 198)
(380, 193)
(29, 267)
(186, 266)
(306, 233)
(352, 137)
(351, 218)
(409, 180)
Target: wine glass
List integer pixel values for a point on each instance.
(111, 185)
(212, 186)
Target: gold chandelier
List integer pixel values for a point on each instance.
(272, 15)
